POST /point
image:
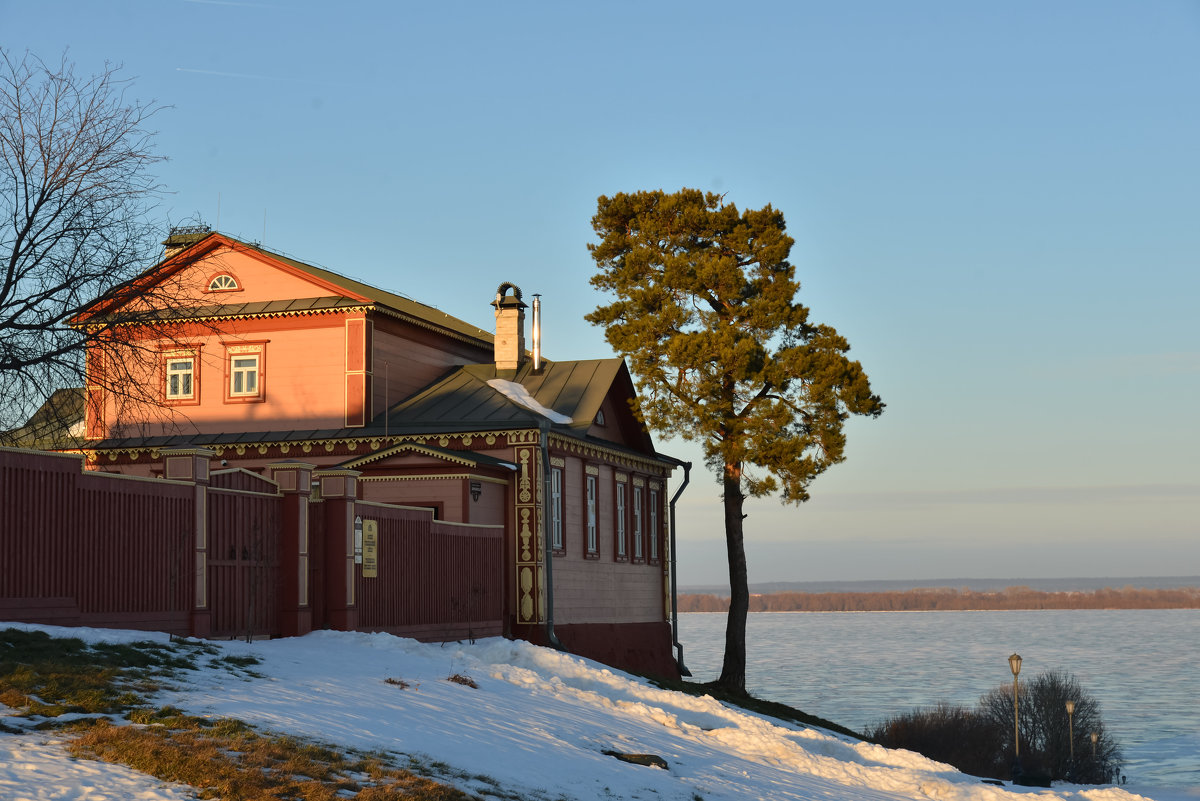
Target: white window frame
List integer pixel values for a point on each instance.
(620, 526)
(556, 508)
(237, 372)
(638, 549)
(653, 525)
(593, 541)
(223, 283)
(188, 376)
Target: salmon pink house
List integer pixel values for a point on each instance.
(266, 361)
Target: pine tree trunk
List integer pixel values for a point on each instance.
(733, 669)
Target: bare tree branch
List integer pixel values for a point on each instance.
(76, 198)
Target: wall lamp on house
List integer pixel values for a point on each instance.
(476, 490)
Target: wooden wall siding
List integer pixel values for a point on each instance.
(304, 375)
(437, 581)
(407, 359)
(591, 591)
(602, 590)
(259, 278)
(243, 562)
(82, 548)
(446, 495)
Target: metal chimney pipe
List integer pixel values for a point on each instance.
(537, 333)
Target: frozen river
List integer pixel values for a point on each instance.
(859, 668)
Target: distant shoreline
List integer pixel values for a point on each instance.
(948, 599)
(1062, 584)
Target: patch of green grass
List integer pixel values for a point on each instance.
(223, 758)
(238, 664)
(46, 676)
(228, 759)
(244, 661)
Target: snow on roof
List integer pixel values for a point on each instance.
(518, 394)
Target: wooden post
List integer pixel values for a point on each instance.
(338, 493)
(191, 464)
(295, 484)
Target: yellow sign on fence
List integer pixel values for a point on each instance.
(370, 549)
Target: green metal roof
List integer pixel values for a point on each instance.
(464, 398)
(253, 309)
(406, 306)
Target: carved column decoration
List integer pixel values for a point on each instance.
(529, 542)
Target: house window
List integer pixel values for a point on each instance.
(245, 371)
(638, 550)
(622, 549)
(223, 283)
(181, 377)
(653, 529)
(593, 543)
(556, 508)
(243, 376)
(181, 373)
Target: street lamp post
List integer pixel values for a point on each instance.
(1071, 735)
(1014, 662)
(1095, 737)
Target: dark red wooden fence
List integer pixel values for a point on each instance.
(86, 548)
(436, 580)
(80, 548)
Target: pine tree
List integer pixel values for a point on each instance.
(705, 313)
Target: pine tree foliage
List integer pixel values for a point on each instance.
(704, 310)
(706, 314)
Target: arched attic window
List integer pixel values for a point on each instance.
(223, 282)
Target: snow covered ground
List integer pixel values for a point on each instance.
(537, 725)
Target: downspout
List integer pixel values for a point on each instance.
(547, 545)
(683, 671)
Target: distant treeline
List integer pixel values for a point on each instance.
(942, 598)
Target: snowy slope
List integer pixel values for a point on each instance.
(537, 724)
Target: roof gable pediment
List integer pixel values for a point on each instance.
(190, 279)
(413, 454)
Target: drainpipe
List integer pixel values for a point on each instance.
(683, 671)
(547, 545)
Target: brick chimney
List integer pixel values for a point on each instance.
(510, 327)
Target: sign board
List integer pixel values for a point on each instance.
(370, 554)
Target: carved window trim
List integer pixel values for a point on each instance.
(591, 512)
(184, 367)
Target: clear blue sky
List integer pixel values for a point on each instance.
(997, 203)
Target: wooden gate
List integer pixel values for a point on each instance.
(243, 564)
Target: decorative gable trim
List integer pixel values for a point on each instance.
(406, 448)
(349, 445)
